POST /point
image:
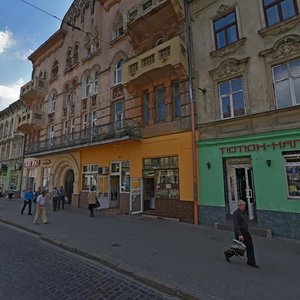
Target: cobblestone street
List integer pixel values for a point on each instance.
(32, 269)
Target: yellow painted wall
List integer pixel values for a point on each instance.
(135, 151)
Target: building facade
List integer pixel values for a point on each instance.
(247, 81)
(109, 108)
(11, 149)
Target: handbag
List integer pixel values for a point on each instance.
(97, 204)
(238, 248)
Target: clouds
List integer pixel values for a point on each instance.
(10, 93)
(6, 40)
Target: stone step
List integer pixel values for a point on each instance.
(257, 231)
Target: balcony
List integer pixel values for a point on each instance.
(147, 14)
(30, 120)
(105, 134)
(167, 59)
(33, 90)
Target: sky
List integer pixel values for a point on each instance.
(22, 30)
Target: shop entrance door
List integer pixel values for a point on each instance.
(136, 195)
(240, 186)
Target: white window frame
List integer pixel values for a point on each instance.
(119, 115)
(230, 95)
(51, 134)
(289, 164)
(52, 103)
(91, 172)
(118, 72)
(290, 79)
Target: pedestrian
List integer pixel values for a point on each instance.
(40, 208)
(92, 199)
(55, 197)
(36, 194)
(28, 196)
(1, 191)
(61, 198)
(240, 224)
(10, 193)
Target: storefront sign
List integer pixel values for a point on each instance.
(288, 144)
(32, 163)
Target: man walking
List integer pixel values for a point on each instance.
(27, 201)
(40, 208)
(55, 198)
(61, 198)
(240, 224)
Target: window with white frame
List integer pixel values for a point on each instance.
(94, 123)
(89, 176)
(226, 30)
(96, 82)
(292, 172)
(51, 135)
(52, 102)
(87, 86)
(286, 80)
(118, 72)
(279, 10)
(231, 94)
(119, 115)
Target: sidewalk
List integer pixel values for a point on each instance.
(170, 255)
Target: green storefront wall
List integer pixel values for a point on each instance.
(269, 181)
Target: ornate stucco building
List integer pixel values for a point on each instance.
(109, 107)
(247, 82)
(11, 149)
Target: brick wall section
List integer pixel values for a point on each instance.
(184, 210)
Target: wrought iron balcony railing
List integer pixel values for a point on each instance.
(104, 134)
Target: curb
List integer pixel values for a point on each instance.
(168, 288)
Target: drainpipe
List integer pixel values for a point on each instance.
(192, 105)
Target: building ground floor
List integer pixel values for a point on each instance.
(152, 175)
(263, 170)
(11, 178)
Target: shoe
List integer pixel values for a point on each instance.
(46, 223)
(227, 257)
(29, 214)
(21, 213)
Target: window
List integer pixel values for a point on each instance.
(118, 72)
(51, 135)
(232, 98)
(279, 10)
(146, 108)
(118, 30)
(85, 125)
(89, 177)
(76, 54)
(292, 171)
(96, 82)
(94, 123)
(87, 86)
(225, 30)
(54, 70)
(52, 103)
(160, 103)
(69, 58)
(286, 78)
(73, 129)
(65, 131)
(176, 99)
(119, 115)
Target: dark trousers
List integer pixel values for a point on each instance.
(54, 202)
(24, 206)
(91, 209)
(61, 200)
(249, 248)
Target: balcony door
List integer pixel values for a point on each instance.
(119, 115)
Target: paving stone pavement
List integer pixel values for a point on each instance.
(183, 259)
(32, 269)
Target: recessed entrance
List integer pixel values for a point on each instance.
(240, 185)
(69, 184)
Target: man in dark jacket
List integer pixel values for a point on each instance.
(240, 224)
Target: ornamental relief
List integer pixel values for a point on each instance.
(229, 67)
(287, 46)
(229, 49)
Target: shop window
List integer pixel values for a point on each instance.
(232, 98)
(226, 30)
(286, 79)
(292, 171)
(89, 176)
(160, 104)
(165, 171)
(125, 177)
(279, 10)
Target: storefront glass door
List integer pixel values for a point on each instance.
(240, 186)
(136, 195)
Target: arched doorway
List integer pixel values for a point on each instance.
(69, 182)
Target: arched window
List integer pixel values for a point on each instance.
(76, 53)
(69, 58)
(118, 72)
(96, 82)
(87, 86)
